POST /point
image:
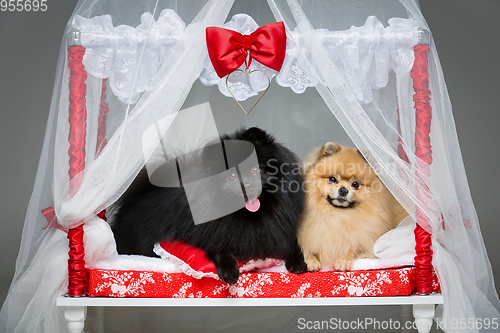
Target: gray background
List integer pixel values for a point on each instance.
(467, 36)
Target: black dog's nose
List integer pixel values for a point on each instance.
(343, 191)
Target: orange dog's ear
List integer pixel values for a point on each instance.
(328, 149)
(317, 154)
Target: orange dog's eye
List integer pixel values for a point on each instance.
(355, 184)
(332, 180)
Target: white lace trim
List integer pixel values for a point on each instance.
(131, 57)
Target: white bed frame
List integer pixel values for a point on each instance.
(75, 308)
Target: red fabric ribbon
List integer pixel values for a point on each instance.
(50, 216)
(229, 49)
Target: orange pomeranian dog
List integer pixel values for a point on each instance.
(347, 209)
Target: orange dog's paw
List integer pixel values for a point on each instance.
(342, 265)
(313, 265)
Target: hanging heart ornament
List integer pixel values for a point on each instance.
(248, 72)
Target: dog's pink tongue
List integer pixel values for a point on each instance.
(253, 206)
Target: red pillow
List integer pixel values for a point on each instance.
(194, 262)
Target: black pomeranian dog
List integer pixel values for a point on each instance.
(268, 197)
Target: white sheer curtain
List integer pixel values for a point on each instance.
(41, 269)
(460, 258)
(301, 121)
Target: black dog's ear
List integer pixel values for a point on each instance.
(328, 149)
(257, 135)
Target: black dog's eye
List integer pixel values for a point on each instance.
(256, 170)
(355, 184)
(332, 180)
(232, 176)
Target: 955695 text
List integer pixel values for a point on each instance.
(23, 5)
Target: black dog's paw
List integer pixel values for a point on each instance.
(296, 266)
(229, 275)
(227, 268)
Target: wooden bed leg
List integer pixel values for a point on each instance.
(424, 314)
(75, 317)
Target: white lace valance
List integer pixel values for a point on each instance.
(366, 55)
(130, 57)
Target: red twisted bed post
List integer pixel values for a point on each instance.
(77, 273)
(423, 151)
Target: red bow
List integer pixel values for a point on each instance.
(228, 49)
